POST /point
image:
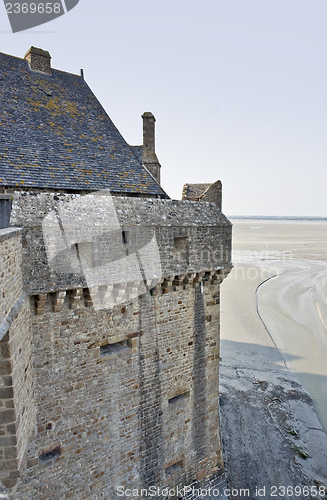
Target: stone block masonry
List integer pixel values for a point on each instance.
(16, 374)
(10, 270)
(99, 396)
(143, 414)
(192, 236)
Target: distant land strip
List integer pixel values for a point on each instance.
(276, 217)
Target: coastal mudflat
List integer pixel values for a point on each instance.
(272, 370)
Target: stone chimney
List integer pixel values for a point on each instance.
(149, 157)
(39, 60)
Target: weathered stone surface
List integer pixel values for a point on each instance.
(16, 375)
(192, 237)
(203, 192)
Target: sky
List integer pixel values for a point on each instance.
(238, 89)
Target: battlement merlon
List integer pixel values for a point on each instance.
(204, 192)
(190, 237)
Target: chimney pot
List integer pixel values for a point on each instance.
(39, 60)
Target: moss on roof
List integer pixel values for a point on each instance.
(55, 134)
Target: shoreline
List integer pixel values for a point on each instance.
(270, 431)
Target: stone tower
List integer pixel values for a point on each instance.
(109, 312)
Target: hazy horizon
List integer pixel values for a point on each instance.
(238, 90)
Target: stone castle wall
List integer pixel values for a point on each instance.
(16, 373)
(123, 391)
(125, 397)
(10, 268)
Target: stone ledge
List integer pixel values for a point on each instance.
(206, 274)
(9, 232)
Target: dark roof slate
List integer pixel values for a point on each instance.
(55, 134)
(138, 151)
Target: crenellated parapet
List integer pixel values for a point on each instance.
(108, 296)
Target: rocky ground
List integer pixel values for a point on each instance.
(271, 436)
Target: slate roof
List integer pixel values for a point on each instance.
(138, 151)
(55, 134)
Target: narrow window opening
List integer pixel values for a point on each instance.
(174, 468)
(181, 249)
(181, 243)
(179, 398)
(5, 211)
(126, 237)
(117, 347)
(50, 455)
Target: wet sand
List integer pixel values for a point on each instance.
(304, 240)
(293, 307)
(269, 363)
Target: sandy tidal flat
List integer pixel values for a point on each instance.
(293, 307)
(272, 361)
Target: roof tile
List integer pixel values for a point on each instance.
(55, 134)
